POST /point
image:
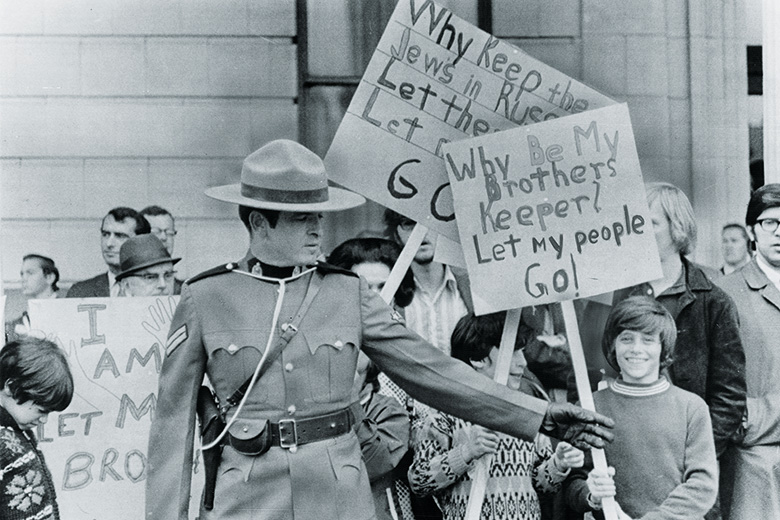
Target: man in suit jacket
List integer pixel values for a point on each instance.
(118, 225)
(754, 463)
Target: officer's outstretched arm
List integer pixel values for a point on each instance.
(577, 426)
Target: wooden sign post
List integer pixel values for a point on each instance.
(402, 264)
(550, 213)
(583, 391)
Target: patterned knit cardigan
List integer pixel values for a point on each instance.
(26, 487)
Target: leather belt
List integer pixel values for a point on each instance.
(288, 433)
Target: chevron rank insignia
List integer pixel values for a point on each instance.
(176, 338)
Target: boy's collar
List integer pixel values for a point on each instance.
(640, 389)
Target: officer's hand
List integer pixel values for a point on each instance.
(579, 427)
(481, 441)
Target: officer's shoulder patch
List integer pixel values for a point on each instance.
(220, 269)
(176, 338)
(326, 268)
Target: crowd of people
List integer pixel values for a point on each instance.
(682, 369)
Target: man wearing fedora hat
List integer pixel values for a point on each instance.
(146, 267)
(278, 335)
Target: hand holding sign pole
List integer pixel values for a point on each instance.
(583, 391)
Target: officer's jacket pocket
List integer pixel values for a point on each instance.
(232, 359)
(333, 361)
(346, 495)
(346, 460)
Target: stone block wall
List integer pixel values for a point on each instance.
(108, 103)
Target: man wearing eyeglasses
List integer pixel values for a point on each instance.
(162, 224)
(163, 227)
(754, 462)
(147, 268)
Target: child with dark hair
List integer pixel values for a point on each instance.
(34, 380)
(663, 461)
(446, 447)
(373, 259)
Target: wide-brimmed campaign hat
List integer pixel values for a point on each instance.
(286, 176)
(140, 252)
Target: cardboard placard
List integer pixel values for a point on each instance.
(448, 252)
(96, 448)
(435, 78)
(552, 212)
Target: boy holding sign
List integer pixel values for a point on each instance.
(447, 447)
(663, 457)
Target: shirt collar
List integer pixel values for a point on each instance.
(111, 284)
(449, 278)
(769, 271)
(259, 267)
(449, 283)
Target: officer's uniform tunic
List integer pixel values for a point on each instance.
(221, 328)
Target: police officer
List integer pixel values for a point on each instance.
(285, 331)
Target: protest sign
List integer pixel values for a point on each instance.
(434, 78)
(448, 252)
(96, 448)
(552, 212)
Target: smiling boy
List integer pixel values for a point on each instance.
(663, 458)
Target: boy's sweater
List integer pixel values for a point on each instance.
(663, 453)
(26, 487)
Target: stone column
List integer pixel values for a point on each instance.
(720, 180)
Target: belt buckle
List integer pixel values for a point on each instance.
(288, 434)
